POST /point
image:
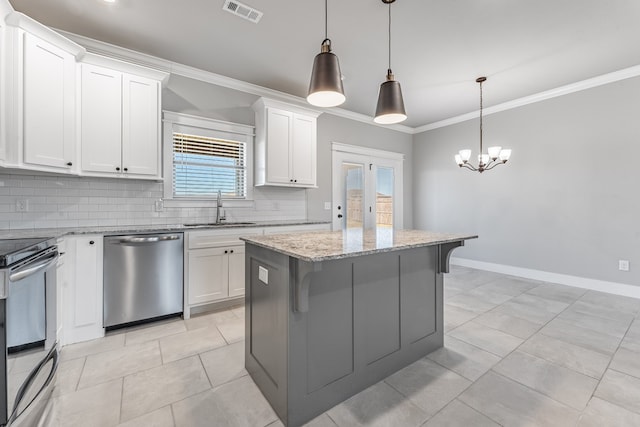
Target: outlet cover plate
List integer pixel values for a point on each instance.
(623, 265)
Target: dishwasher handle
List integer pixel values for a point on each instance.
(149, 239)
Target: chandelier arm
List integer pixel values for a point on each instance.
(493, 165)
(469, 166)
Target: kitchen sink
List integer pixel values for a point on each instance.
(221, 224)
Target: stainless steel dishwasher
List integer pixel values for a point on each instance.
(143, 277)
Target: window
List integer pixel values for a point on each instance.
(203, 166)
(203, 156)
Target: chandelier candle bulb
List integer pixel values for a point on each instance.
(465, 155)
(505, 154)
(494, 152)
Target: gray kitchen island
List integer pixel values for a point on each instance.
(330, 313)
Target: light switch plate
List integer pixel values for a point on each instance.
(327, 206)
(263, 275)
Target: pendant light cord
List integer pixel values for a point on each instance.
(389, 38)
(326, 19)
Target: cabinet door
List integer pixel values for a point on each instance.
(101, 116)
(303, 150)
(48, 93)
(140, 125)
(279, 124)
(83, 295)
(236, 270)
(4, 58)
(208, 275)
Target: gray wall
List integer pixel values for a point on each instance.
(567, 202)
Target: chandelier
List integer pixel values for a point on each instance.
(496, 155)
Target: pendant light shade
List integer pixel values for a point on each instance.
(390, 107)
(325, 88)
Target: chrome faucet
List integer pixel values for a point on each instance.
(219, 218)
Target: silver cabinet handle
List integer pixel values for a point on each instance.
(34, 267)
(150, 239)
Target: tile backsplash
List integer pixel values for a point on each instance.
(53, 202)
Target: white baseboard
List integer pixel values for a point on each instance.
(545, 276)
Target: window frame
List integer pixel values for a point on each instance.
(186, 123)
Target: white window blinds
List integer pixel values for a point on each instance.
(203, 165)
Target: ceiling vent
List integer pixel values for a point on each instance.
(242, 10)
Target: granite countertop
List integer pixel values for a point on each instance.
(328, 245)
(138, 229)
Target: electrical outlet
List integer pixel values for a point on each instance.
(22, 205)
(159, 205)
(327, 206)
(623, 265)
(263, 275)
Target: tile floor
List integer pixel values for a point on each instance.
(517, 353)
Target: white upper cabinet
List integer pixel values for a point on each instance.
(48, 95)
(141, 143)
(285, 150)
(39, 96)
(101, 123)
(4, 58)
(120, 120)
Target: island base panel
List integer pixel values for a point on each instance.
(366, 318)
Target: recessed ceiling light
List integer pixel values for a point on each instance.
(110, 1)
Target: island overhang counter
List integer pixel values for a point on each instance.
(330, 313)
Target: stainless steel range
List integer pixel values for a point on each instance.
(27, 329)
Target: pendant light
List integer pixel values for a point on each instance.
(325, 89)
(390, 107)
(497, 155)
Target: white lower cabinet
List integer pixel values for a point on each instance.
(236, 271)
(214, 267)
(216, 273)
(215, 264)
(81, 293)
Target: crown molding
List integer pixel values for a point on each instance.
(110, 50)
(121, 53)
(604, 79)
(24, 22)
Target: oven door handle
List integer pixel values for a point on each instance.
(34, 267)
(16, 412)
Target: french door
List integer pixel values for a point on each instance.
(367, 188)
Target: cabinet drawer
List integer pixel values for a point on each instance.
(217, 238)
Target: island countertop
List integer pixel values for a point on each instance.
(330, 245)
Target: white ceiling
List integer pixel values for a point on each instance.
(439, 46)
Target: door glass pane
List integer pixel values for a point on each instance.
(354, 196)
(384, 197)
